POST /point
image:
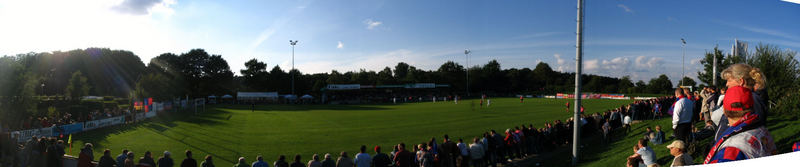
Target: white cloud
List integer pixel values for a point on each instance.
(625, 8)
(590, 65)
(371, 24)
(559, 60)
(793, 1)
(644, 62)
(142, 7)
(340, 45)
(616, 64)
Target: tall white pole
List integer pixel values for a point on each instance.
(466, 53)
(714, 69)
(683, 61)
(293, 43)
(578, 67)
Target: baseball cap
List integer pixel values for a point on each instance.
(677, 144)
(738, 98)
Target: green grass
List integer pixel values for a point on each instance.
(230, 131)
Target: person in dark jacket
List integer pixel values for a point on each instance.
(281, 162)
(297, 162)
(208, 162)
(403, 158)
(147, 159)
(166, 160)
(86, 156)
(106, 160)
(380, 159)
(328, 162)
(189, 162)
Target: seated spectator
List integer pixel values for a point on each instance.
(166, 160)
(281, 162)
(106, 160)
(121, 158)
(658, 136)
(208, 162)
(86, 156)
(297, 162)
(648, 134)
(129, 160)
(678, 149)
(328, 162)
(707, 131)
(362, 158)
(745, 137)
(344, 161)
(241, 163)
(260, 162)
(643, 152)
(189, 162)
(147, 160)
(380, 159)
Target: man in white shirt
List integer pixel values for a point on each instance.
(362, 158)
(464, 159)
(476, 153)
(682, 115)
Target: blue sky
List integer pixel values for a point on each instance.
(622, 37)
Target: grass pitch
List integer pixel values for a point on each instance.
(228, 132)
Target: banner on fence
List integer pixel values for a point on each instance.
(67, 129)
(25, 135)
(103, 123)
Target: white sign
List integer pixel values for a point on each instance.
(103, 123)
(343, 86)
(25, 135)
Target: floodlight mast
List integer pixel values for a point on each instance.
(466, 53)
(293, 43)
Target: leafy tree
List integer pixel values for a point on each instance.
(706, 75)
(661, 85)
(686, 81)
(625, 85)
(77, 86)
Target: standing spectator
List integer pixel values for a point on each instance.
(677, 149)
(166, 160)
(476, 153)
(344, 160)
(208, 162)
(447, 153)
(281, 162)
(189, 161)
(380, 159)
(314, 162)
(241, 163)
(626, 123)
(147, 159)
(362, 158)
(129, 160)
(86, 156)
(682, 115)
(121, 158)
(260, 162)
(106, 160)
(499, 146)
(402, 158)
(745, 138)
(606, 132)
(426, 158)
(297, 162)
(463, 159)
(328, 161)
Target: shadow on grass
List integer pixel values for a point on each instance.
(290, 108)
(159, 124)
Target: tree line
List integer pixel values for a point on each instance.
(196, 73)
